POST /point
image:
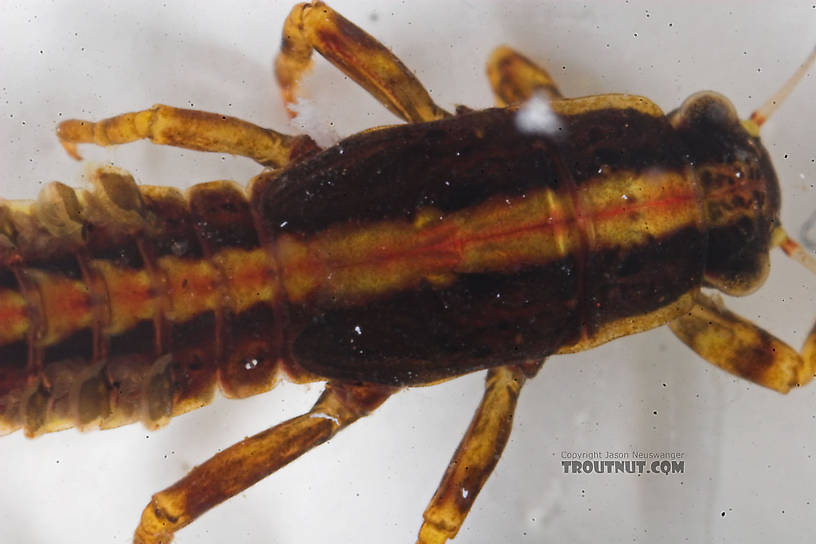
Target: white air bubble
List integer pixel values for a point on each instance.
(537, 117)
(312, 121)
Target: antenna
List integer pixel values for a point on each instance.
(765, 110)
(792, 249)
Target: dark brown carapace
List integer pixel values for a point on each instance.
(400, 256)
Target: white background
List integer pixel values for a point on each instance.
(749, 452)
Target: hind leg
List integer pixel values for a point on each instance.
(249, 461)
(317, 27)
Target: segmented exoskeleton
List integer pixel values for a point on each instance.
(313, 271)
(102, 286)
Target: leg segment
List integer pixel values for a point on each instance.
(515, 78)
(317, 27)
(740, 347)
(191, 129)
(475, 458)
(253, 459)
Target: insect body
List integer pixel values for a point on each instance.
(331, 272)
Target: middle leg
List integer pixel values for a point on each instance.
(515, 78)
(476, 456)
(317, 27)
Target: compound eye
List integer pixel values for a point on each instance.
(705, 109)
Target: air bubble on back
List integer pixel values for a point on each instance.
(536, 116)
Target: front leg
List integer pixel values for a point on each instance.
(742, 348)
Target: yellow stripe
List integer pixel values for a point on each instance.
(66, 305)
(248, 278)
(130, 295)
(625, 210)
(15, 322)
(347, 264)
